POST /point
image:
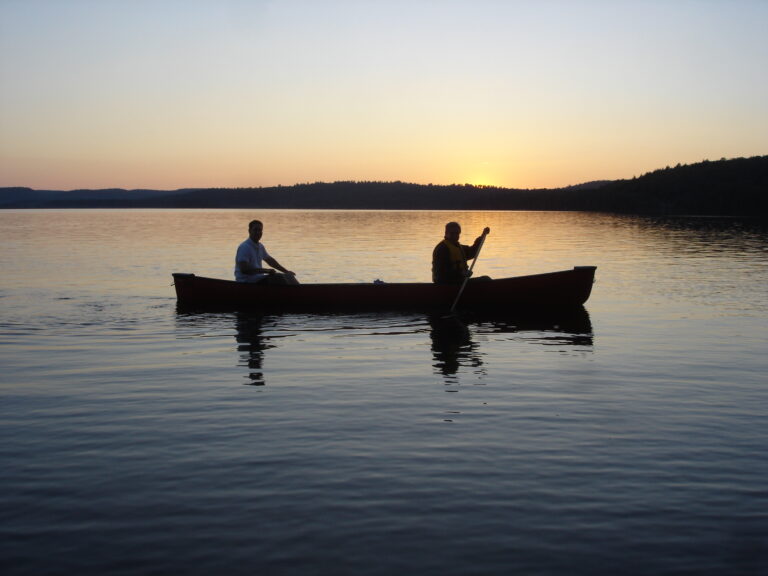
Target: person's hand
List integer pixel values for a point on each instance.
(486, 230)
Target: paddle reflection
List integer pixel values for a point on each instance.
(454, 345)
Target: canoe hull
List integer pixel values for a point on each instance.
(554, 289)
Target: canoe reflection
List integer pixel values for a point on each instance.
(454, 345)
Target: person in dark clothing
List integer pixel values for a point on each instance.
(449, 258)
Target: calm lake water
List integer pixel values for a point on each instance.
(628, 438)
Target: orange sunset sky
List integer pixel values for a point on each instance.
(172, 94)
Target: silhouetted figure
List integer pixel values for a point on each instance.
(248, 260)
(449, 258)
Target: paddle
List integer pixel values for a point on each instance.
(469, 272)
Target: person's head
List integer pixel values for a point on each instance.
(255, 229)
(452, 232)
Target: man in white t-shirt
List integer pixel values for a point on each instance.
(248, 267)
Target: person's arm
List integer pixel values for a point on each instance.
(441, 264)
(275, 264)
(246, 268)
(471, 251)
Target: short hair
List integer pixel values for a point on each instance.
(253, 223)
(453, 225)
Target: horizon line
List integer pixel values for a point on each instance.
(279, 185)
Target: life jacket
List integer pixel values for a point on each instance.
(458, 259)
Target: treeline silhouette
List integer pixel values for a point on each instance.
(736, 187)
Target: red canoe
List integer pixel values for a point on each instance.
(566, 288)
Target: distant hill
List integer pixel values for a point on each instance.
(737, 187)
(723, 187)
(24, 197)
(587, 185)
(20, 197)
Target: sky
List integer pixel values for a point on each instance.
(169, 94)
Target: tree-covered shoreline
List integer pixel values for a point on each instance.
(735, 187)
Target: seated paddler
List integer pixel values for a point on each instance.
(248, 261)
(449, 258)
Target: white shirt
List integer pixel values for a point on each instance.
(252, 253)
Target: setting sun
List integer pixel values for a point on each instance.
(240, 94)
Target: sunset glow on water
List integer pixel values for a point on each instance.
(139, 438)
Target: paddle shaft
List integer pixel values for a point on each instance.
(469, 272)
